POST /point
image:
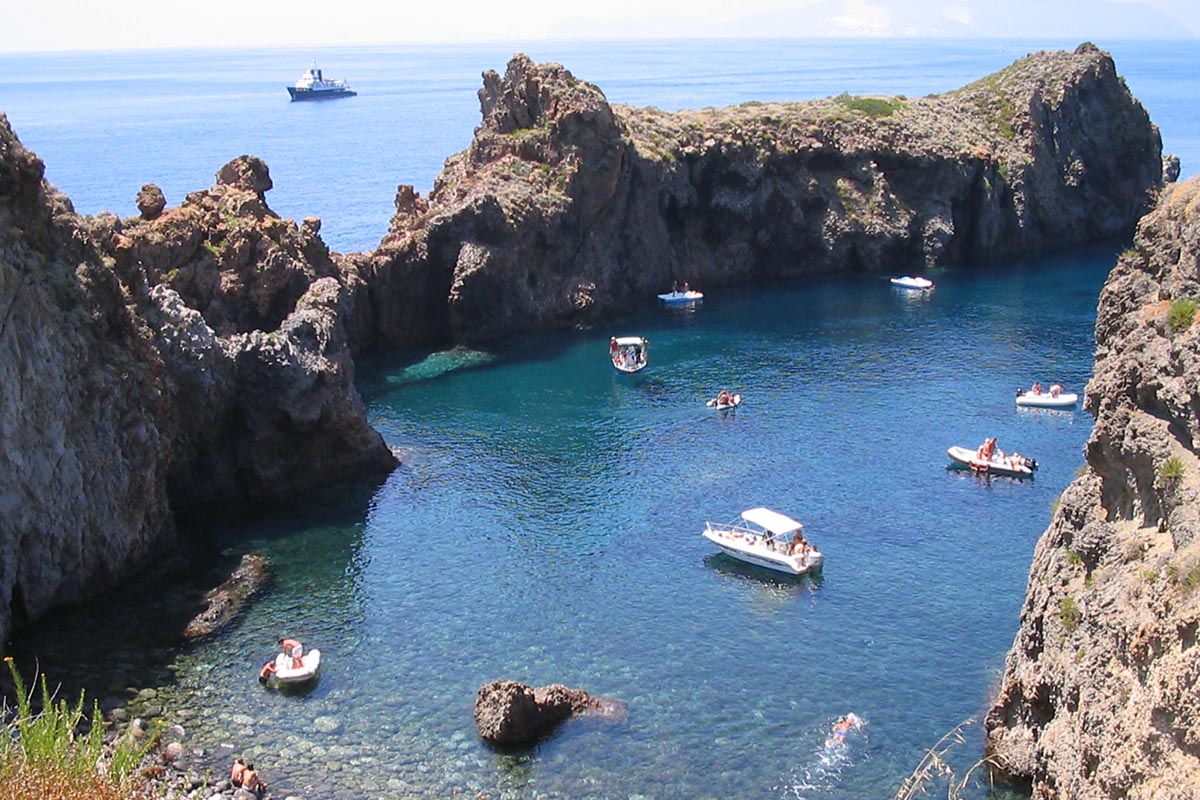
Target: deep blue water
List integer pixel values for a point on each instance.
(106, 123)
(545, 524)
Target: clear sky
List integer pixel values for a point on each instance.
(33, 25)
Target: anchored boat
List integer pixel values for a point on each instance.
(767, 539)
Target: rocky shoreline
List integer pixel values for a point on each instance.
(1098, 695)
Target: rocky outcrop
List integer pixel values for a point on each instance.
(152, 367)
(567, 209)
(227, 601)
(512, 713)
(1098, 697)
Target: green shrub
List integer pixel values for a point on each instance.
(1171, 470)
(1074, 559)
(47, 754)
(1181, 315)
(871, 106)
(1069, 613)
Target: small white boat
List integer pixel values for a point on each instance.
(629, 353)
(310, 662)
(689, 296)
(1012, 465)
(733, 401)
(910, 282)
(767, 539)
(1029, 399)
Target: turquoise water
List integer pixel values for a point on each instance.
(545, 526)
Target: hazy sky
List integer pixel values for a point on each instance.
(91, 25)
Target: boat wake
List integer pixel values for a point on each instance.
(821, 773)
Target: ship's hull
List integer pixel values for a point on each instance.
(324, 94)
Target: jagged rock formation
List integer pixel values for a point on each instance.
(566, 209)
(1098, 697)
(508, 712)
(153, 367)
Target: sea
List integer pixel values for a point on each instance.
(544, 524)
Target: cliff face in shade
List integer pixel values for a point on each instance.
(1099, 694)
(566, 209)
(153, 367)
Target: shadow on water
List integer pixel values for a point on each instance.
(770, 582)
(132, 634)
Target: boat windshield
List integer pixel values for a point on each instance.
(772, 521)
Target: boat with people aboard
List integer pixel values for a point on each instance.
(313, 85)
(681, 296)
(766, 538)
(987, 459)
(912, 282)
(1054, 397)
(724, 401)
(286, 669)
(629, 353)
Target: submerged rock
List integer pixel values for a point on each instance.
(229, 599)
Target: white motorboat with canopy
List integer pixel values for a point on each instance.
(767, 539)
(629, 353)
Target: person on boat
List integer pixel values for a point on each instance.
(238, 772)
(1055, 389)
(987, 449)
(723, 398)
(686, 288)
(612, 347)
(798, 545)
(1037, 388)
(293, 649)
(268, 669)
(252, 782)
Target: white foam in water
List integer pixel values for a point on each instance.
(822, 772)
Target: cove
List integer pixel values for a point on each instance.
(545, 526)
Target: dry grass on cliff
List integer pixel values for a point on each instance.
(57, 752)
(27, 781)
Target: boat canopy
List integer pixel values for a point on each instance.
(774, 522)
(625, 341)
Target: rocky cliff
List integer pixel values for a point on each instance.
(567, 209)
(156, 366)
(1098, 697)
